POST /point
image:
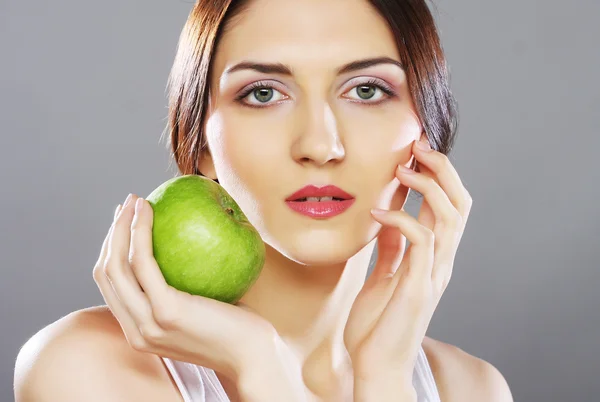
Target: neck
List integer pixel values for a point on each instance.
(309, 305)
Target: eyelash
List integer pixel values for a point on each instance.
(371, 82)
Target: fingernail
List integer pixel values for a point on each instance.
(128, 200)
(424, 145)
(117, 211)
(377, 211)
(404, 169)
(138, 205)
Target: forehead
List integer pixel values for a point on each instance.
(306, 33)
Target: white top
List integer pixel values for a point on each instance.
(200, 384)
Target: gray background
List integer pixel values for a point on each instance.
(83, 104)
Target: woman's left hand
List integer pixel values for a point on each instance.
(391, 314)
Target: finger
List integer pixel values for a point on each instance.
(390, 249)
(404, 312)
(128, 326)
(442, 177)
(447, 240)
(119, 273)
(104, 248)
(141, 256)
(442, 170)
(419, 255)
(409, 301)
(436, 201)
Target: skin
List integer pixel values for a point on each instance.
(314, 130)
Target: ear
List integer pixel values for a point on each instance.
(206, 165)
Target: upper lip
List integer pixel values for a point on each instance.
(313, 191)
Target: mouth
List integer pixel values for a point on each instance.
(321, 202)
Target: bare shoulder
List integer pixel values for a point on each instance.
(462, 377)
(85, 356)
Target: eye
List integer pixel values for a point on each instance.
(370, 89)
(261, 92)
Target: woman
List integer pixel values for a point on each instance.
(268, 96)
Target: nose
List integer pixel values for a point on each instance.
(318, 141)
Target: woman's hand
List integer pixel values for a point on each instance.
(159, 319)
(391, 314)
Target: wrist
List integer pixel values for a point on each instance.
(384, 387)
(271, 376)
(269, 383)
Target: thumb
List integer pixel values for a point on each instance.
(141, 230)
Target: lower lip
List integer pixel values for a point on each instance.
(320, 209)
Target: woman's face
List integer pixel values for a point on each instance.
(316, 126)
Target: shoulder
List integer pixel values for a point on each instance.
(460, 376)
(85, 356)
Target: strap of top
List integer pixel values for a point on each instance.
(188, 379)
(423, 380)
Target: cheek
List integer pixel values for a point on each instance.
(377, 142)
(233, 143)
(381, 139)
(247, 157)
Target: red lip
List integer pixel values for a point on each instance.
(320, 209)
(313, 191)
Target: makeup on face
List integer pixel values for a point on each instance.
(320, 202)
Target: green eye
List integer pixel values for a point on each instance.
(263, 94)
(366, 91)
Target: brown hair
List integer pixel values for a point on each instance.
(417, 40)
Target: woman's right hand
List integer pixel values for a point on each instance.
(159, 319)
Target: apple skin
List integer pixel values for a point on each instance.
(202, 241)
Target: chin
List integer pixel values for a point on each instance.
(317, 247)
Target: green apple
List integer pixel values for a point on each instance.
(202, 241)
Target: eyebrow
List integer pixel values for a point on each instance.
(279, 68)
